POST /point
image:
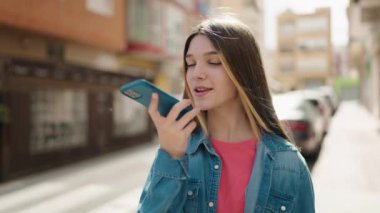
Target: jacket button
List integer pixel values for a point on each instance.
(216, 167)
(190, 193)
(283, 208)
(211, 204)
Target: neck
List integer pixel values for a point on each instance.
(229, 123)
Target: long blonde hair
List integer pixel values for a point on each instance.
(240, 56)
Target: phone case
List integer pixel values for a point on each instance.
(141, 91)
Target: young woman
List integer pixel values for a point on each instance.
(229, 154)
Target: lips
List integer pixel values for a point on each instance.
(201, 91)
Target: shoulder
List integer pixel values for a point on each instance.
(284, 153)
(276, 143)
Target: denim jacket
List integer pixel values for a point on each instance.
(280, 180)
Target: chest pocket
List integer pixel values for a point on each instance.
(279, 203)
(192, 189)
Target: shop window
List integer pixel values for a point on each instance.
(59, 120)
(129, 117)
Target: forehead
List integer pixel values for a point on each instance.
(200, 44)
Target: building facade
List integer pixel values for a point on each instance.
(364, 50)
(59, 77)
(304, 52)
(251, 13)
(157, 31)
(61, 65)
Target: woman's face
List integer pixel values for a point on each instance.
(206, 77)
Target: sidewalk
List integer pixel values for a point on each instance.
(111, 183)
(347, 175)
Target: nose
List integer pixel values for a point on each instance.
(199, 72)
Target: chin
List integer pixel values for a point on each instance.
(202, 107)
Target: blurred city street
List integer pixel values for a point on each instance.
(345, 175)
(70, 141)
(107, 184)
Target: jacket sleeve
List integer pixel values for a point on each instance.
(165, 185)
(305, 202)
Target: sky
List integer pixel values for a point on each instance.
(339, 22)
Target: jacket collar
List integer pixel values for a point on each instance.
(196, 139)
(272, 143)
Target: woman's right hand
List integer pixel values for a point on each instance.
(173, 134)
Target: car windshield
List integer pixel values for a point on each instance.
(286, 103)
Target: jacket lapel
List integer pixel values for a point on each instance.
(258, 187)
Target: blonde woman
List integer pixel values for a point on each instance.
(229, 154)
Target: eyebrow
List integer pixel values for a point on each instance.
(207, 53)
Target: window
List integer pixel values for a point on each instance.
(287, 29)
(129, 117)
(286, 48)
(188, 4)
(313, 64)
(175, 21)
(101, 7)
(59, 120)
(315, 44)
(144, 21)
(156, 23)
(138, 20)
(286, 65)
(310, 83)
(312, 24)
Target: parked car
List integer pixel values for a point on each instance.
(319, 102)
(301, 120)
(331, 97)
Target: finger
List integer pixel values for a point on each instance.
(190, 128)
(182, 122)
(152, 109)
(177, 108)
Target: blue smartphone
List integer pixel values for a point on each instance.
(141, 91)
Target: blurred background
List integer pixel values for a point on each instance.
(70, 142)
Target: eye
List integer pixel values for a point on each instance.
(215, 62)
(190, 62)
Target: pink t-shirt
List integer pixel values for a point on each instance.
(237, 164)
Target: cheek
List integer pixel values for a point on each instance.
(222, 78)
(187, 76)
(188, 80)
(229, 87)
